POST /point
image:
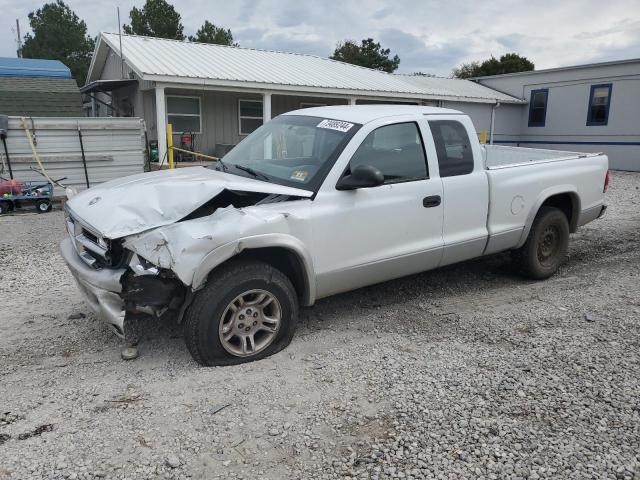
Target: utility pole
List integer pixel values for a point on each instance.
(19, 52)
(120, 38)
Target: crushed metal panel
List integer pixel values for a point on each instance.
(138, 203)
(181, 247)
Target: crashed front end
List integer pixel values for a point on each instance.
(137, 244)
(116, 282)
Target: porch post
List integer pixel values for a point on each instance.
(266, 116)
(266, 107)
(161, 123)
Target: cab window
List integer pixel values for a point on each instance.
(455, 156)
(396, 150)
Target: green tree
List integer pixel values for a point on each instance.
(508, 63)
(58, 34)
(209, 33)
(369, 54)
(157, 18)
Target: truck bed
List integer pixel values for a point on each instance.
(500, 156)
(521, 178)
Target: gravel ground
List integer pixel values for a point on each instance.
(464, 372)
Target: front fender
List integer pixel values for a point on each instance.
(268, 240)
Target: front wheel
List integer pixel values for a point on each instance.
(546, 246)
(247, 311)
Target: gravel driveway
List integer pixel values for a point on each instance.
(464, 372)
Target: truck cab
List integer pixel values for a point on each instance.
(430, 210)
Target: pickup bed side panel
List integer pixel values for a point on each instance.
(516, 194)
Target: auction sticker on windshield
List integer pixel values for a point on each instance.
(335, 125)
(299, 175)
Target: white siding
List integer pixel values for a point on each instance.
(567, 106)
(480, 114)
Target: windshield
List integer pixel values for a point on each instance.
(292, 150)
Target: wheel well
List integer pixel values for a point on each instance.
(284, 260)
(568, 204)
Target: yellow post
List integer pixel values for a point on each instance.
(483, 136)
(170, 145)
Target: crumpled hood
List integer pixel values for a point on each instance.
(133, 204)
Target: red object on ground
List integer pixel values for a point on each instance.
(12, 187)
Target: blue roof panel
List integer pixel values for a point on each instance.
(32, 67)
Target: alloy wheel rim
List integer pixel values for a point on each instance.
(250, 323)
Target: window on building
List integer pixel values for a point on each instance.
(455, 156)
(311, 104)
(183, 113)
(250, 116)
(538, 107)
(396, 150)
(599, 101)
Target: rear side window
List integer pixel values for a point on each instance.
(396, 150)
(455, 156)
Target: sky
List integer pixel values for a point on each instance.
(429, 36)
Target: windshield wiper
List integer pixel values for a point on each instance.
(252, 172)
(223, 166)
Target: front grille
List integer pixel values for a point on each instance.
(90, 236)
(94, 250)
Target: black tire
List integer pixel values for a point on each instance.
(5, 207)
(203, 317)
(546, 246)
(43, 206)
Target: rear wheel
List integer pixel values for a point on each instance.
(43, 206)
(546, 246)
(4, 207)
(247, 311)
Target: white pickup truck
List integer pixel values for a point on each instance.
(316, 202)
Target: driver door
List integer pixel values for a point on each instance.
(369, 235)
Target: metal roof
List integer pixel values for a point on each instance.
(182, 62)
(106, 85)
(563, 69)
(32, 67)
(456, 87)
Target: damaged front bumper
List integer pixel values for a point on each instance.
(118, 294)
(101, 288)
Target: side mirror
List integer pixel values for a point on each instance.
(362, 176)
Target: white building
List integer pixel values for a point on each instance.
(590, 108)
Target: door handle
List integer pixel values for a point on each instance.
(432, 201)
